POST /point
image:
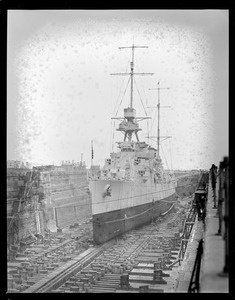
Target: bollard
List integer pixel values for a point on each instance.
(124, 281)
(157, 275)
(157, 265)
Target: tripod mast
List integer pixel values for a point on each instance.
(130, 126)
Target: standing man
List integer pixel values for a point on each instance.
(213, 173)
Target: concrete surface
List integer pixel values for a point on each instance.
(213, 261)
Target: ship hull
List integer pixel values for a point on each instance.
(114, 223)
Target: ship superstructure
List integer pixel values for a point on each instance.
(133, 187)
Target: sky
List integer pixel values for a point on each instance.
(61, 96)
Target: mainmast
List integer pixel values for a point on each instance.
(129, 124)
(158, 111)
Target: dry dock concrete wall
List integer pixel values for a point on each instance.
(187, 184)
(66, 197)
(45, 198)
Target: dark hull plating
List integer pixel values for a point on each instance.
(111, 224)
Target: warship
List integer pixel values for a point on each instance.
(132, 188)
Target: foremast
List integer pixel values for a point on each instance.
(129, 124)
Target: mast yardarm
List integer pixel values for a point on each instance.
(129, 123)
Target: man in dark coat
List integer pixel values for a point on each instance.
(213, 173)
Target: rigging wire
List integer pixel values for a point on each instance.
(123, 96)
(146, 100)
(117, 109)
(121, 88)
(142, 105)
(148, 131)
(154, 119)
(165, 126)
(117, 112)
(171, 156)
(111, 135)
(142, 85)
(164, 157)
(140, 96)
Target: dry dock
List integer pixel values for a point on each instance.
(144, 259)
(155, 258)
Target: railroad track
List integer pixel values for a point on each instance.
(133, 256)
(40, 259)
(70, 263)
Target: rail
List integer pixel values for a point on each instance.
(223, 217)
(223, 208)
(69, 269)
(187, 228)
(194, 285)
(190, 220)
